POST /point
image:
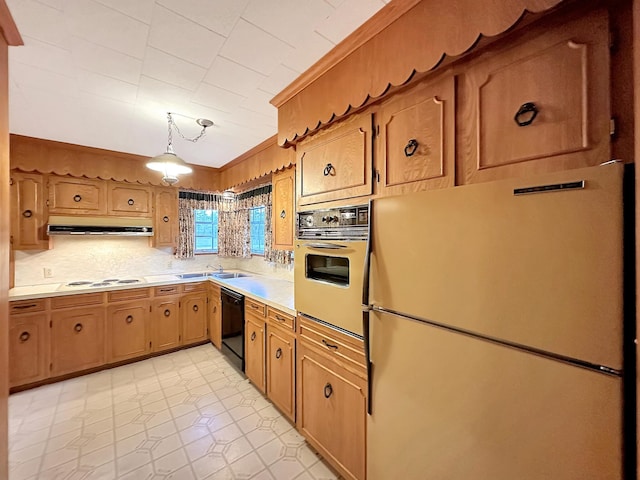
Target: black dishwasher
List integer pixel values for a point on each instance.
(233, 326)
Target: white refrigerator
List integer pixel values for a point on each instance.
(495, 330)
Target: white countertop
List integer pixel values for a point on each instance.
(275, 292)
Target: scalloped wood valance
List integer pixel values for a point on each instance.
(46, 156)
(405, 37)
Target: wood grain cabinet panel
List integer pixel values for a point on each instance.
(254, 347)
(336, 163)
(215, 316)
(128, 334)
(281, 367)
(166, 328)
(542, 105)
(165, 216)
(28, 212)
(84, 196)
(284, 191)
(28, 348)
(416, 146)
(195, 322)
(77, 339)
(129, 200)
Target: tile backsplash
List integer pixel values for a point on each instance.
(91, 258)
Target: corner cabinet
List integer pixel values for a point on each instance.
(193, 310)
(83, 196)
(215, 315)
(336, 163)
(165, 214)
(283, 214)
(28, 212)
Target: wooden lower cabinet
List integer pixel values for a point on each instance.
(128, 334)
(28, 348)
(254, 338)
(332, 411)
(281, 367)
(215, 316)
(195, 321)
(77, 339)
(166, 329)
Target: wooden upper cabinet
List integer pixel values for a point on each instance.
(541, 105)
(416, 143)
(284, 186)
(336, 163)
(28, 212)
(129, 200)
(84, 196)
(165, 217)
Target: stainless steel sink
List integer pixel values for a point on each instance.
(193, 275)
(229, 275)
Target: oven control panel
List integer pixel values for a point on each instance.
(342, 222)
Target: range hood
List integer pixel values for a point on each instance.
(123, 226)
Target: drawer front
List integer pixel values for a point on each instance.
(280, 319)
(133, 294)
(251, 307)
(27, 306)
(167, 290)
(77, 300)
(194, 287)
(341, 347)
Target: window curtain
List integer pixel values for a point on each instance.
(187, 203)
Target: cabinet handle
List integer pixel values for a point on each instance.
(164, 290)
(328, 390)
(280, 319)
(78, 327)
(27, 213)
(195, 308)
(411, 147)
(278, 353)
(129, 319)
(283, 214)
(329, 345)
(253, 336)
(165, 219)
(24, 336)
(22, 307)
(526, 114)
(215, 309)
(255, 307)
(329, 170)
(167, 312)
(77, 198)
(130, 201)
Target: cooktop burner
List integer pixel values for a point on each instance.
(77, 284)
(131, 280)
(101, 283)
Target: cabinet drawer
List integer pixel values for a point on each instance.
(194, 287)
(132, 294)
(77, 195)
(281, 319)
(251, 307)
(167, 290)
(129, 200)
(77, 300)
(27, 306)
(344, 348)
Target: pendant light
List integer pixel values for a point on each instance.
(169, 164)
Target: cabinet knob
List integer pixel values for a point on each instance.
(167, 312)
(24, 336)
(328, 390)
(78, 327)
(77, 198)
(411, 147)
(130, 201)
(526, 114)
(253, 336)
(278, 353)
(165, 219)
(195, 308)
(329, 170)
(283, 214)
(129, 319)
(27, 213)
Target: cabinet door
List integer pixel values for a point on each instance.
(28, 348)
(417, 139)
(129, 200)
(128, 333)
(165, 217)
(77, 339)
(284, 185)
(280, 370)
(541, 105)
(165, 324)
(193, 309)
(332, 412)
(215, 316)
(77, 195)
(28, 212)
(254, 352)
(336, 163)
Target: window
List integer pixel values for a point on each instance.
(206, 231)
(256, 222)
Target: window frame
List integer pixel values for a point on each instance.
(264, 229)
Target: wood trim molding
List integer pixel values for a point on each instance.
(361, 70)
(8, 26)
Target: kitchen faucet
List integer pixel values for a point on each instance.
(220, 269)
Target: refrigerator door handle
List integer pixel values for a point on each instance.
(366, 333)
(326, 246)
(367, 262)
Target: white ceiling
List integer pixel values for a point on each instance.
(103, 73)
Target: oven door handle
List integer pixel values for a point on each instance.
(326, 246)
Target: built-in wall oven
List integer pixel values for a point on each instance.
(328, 265)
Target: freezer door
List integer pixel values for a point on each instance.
(542, 270)
(448, 406)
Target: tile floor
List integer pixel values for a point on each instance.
(184, 415)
